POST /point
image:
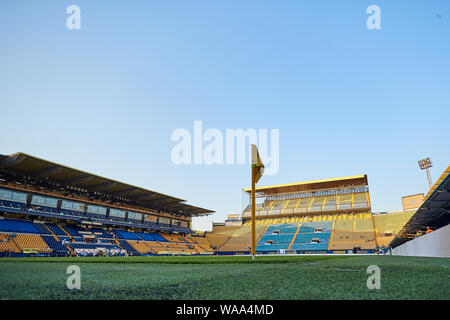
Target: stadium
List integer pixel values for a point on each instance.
(251, 157)
(53, 215)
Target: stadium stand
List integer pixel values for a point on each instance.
(75, 212)
(203, 245)
(21, 236)
(238, 239)
(41, 228)
(317, 216)
(140, 246)
(351, 233)
(58, 248)
(31, 242)
(220, 235)
(388, 225)
(313, 236)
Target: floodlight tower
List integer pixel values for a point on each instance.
(425, 164)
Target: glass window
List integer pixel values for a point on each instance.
(164, 220)
(134, 215)
(19, 196)
(5, 194)
(101, 210)
(78, 206)
(40, 200)
(91, 209)
(96, 209)
(117, 213)
(51, 202)
(66, 204)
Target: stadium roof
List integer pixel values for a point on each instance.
(313, 185)
(434, 211)
(27, 165)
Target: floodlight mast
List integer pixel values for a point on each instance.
(425, 164)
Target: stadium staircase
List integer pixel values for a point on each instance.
(67, 233)
(51, 232)
(15, 244)
(293, 239)
(58, 246)
(261, 235)
(123, 244)
(223, 244)
(375, 233)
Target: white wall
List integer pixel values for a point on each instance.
(434, 244)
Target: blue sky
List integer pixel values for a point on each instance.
(347, 100)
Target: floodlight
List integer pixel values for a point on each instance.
(425, 164)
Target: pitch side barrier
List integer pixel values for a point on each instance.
(7, 254)
(296, 252)
(178, 255)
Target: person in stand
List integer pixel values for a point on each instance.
(428, 230)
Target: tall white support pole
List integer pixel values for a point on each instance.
(429, 178)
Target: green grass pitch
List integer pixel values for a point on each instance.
(276, 277)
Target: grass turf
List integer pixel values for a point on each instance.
(297, 277)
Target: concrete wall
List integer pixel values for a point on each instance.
(434, 244)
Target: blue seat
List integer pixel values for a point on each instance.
(41, 228)
(128, 248)
(74, 230)
(21, 226)
(121, 234)
(102, 233)
(152, 237)
(57, 247)
(56, 230)
(277, 238)
(283, 228)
